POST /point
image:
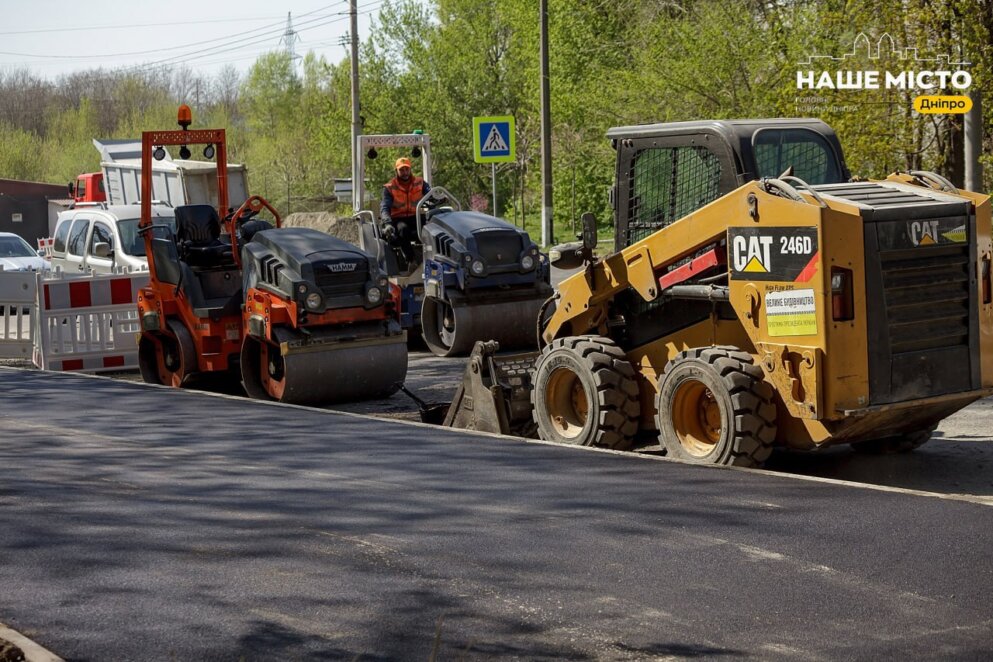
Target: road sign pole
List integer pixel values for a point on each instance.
(493, 142)
(547, 227)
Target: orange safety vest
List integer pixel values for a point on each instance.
(405, 198)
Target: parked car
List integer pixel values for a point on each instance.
(17, 255)
(101, 237)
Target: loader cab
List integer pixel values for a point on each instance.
(666, 171)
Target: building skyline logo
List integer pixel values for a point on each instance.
(864, 44)
(916, 72)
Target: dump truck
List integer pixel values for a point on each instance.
(294, 314)
(757, 297)
(175, 182)
(474, 276)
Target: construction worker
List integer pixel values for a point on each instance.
(398, 208)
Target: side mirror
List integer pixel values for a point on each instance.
(72, 190)
(589, 231)
(567, 256)
(102, 249)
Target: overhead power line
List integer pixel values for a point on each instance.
(270, 29)
(95, 28)
(231, 43)
(226, 48)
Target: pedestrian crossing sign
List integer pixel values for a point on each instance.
(493, 139)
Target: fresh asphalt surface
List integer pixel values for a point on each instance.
(146, 523)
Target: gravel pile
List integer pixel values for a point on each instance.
(345, 229)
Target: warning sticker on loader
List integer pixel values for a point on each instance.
(791, 313)
(773, 254)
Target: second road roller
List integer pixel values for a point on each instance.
(483, 278)
(472, 277)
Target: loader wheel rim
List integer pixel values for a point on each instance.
(697, 418)
(568, 403)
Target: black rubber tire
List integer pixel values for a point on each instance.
(605, 380)
(900, 444)
(740, 401)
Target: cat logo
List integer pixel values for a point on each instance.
(752, 254)
(923, 233)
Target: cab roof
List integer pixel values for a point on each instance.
(728, 129)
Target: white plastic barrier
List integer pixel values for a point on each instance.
(89, 323)
(18, 293)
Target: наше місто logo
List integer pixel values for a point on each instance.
(884, 66)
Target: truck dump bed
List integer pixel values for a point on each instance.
(174, 182)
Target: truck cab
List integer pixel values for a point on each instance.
(88, 187)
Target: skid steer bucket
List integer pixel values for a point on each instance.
(495, 394)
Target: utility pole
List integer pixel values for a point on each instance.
(354, 19)
(547, 231)
(974, 144)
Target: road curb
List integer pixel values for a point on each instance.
(32, 651)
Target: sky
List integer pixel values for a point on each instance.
(54, 37)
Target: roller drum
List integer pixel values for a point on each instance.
(453, 330)
(335, 372)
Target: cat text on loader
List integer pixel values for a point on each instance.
(294, 314)
(783, 312)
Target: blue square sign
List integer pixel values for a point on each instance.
(493, 139)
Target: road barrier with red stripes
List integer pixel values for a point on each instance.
(45, 244)
(89, 323)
